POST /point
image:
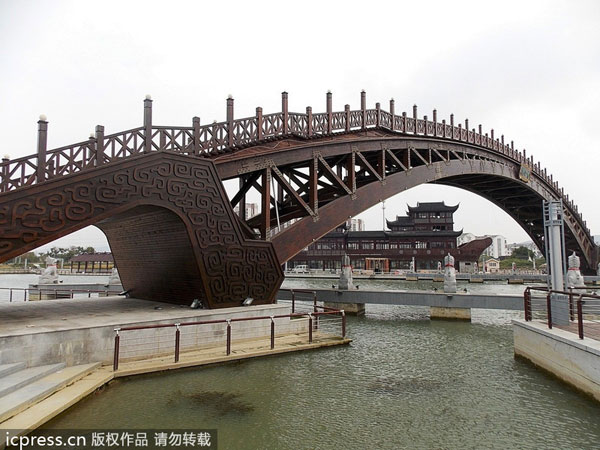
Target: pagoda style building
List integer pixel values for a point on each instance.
(426, 234)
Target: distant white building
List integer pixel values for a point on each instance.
(497, 249)
(251, 209)
(355, 225)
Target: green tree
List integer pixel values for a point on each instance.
(522, 253)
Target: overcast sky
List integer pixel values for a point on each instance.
(528, 69)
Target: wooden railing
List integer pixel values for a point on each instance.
(222, 137)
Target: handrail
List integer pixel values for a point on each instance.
(178, 325)
(577, 308)
(221, 137)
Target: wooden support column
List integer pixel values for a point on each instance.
(350, 163)
(242, 203)
(312, 185)
(381, 163)
(266, 203)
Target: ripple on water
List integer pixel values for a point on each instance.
(405, 382)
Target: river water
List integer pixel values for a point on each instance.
(404, 382)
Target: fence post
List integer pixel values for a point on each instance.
(177, 340)
(425, 126)
(377, 114)
(343, 323)
(259, 123)
(415, 118)
(580, 317)
(41, 148)
(230, 121)
(196, 134)
(228, 337)
(329, 112)
(285, 112)
(393, 114)
(314, 301)
(347, 111)
(148, 124)
(309, 120)
(5, 170)
(571, 305)
(527, 304)
(293, 301)
(10, 296)
(272, 332)
(99, 145)
(548, 307)
(310, 336)
(435, 133)
(116, 356)
(363, 108)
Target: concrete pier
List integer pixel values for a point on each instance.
(443, 313)
(560, 352)
(352, 309)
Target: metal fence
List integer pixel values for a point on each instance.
(141, 342)
(584, 309)
(32, 294)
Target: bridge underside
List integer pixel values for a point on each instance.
(321, 183)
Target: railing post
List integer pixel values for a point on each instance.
(230, 138)
(347, 111)
(148, 124)
(580, 317)
(116, 355)
(549, 308)
(228, 336)
(329, 112)
(272, 332)
(527, 305)
(314, 301)
(377, 114)
(571, 305)
(285, 112)
(425, 127)
(415, 118)
(5, 170)
(310, 332)
(196, 134)
(393, 114)
(10, 296)
(42, 146)
(99, 145)
(293, 301)
(309, 120)
(435, 122)
(343, 323)
(177, 340)
(363, 108)
(259, 123)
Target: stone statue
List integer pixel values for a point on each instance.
(345, 281)
(449, 275)
(50, 273)
(114, 277)
(574, 277)
(439, 269)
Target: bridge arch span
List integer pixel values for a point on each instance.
(344, 175)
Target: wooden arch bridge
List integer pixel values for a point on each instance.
(157, 191)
